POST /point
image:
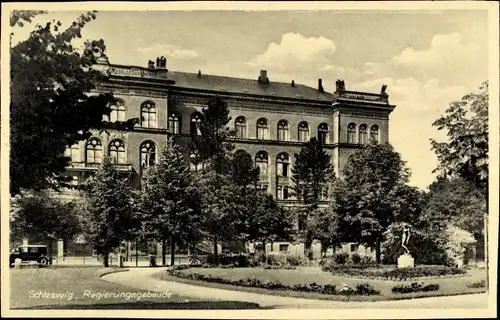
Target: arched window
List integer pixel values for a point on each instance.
(94, 151)
(283, 165)
(374, 133)
(195, 163)
(303, 131)
(262, 129)
(195, 123)
(117, 112)
(262, 162)
(351, 133)
(241, 127)
(363, 134)
(174, 123)
(117, 151)
(323, 133)
(283, 130)
(73, 153)
(148, 114)
(282, 192)
(148, 153)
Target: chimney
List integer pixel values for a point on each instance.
(320, 85)
(293, 83)
(263, 77)
(199, 73)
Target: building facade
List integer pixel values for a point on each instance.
(273, 120)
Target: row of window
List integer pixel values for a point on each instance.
(148, 120)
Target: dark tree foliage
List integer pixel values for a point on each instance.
(51, 105)
(109, 210)
(465, 154)
(243, 170)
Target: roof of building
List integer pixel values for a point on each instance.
(247, 86)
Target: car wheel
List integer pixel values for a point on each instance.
(44, 262)
(195, 261)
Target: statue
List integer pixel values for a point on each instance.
(384, 87)
(340, 85)
(405, 238)
(151, 64)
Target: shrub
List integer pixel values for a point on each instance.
(356, 258)
(366, 289)
(479, 284)
(234, 260)
(415, 287)
(340, 258)
(393, 274)
(367, 260)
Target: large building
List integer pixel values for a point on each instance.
(272, 120)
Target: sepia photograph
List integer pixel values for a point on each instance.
(283, 160)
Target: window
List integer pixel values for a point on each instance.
(264, 187)
(117, 151)
(323, 133)
(262, 162)
(148, 154)
(241, 127)
(283, 247)
(374, 133)
(301, 222)
(279, 192)
(262, 129)
(351, 133)
(195, 163)
(73, 153)
(283, 130)
(94, 151)
(174, 123)
(148, 114)
(363, 134)
(117, 112)
(324, 193)
(195, 123)
(303, 131)
(354, 247)
(283, 165)
(285, 192)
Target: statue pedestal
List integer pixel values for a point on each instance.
(406, 261)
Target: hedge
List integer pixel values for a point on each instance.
(415, 287)
(361, 289)
(394, 274)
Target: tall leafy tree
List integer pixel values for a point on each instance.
(109, 210)
(243, 170)
(40, 216)
(311, 176)
(170, 203)
(51, 107)
(369, 196)
(465, 154)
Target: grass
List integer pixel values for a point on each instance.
(71, 283)
(448, 286)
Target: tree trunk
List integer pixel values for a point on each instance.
(105, 258)
(216, 251)
(308, 244)
(172, 251)
(163, 253)
(377, 250)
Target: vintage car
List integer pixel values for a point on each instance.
(37, 253)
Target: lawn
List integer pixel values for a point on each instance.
(448, 286)
(71, 284)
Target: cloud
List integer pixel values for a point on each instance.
(296, 51)
(170, 51)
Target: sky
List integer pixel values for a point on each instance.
(426, 58)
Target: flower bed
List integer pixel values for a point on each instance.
(360, 289)
(415, 287)
(394, 273)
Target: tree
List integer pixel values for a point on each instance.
(223, 215)
(211, 144)
(51, 107)
(41, 217)
(170, 203)
(109, 210)
(311, 176)
(266, 220)
(243, 170)
(466, 152)
(372, 194)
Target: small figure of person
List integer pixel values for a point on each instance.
(405, 238)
